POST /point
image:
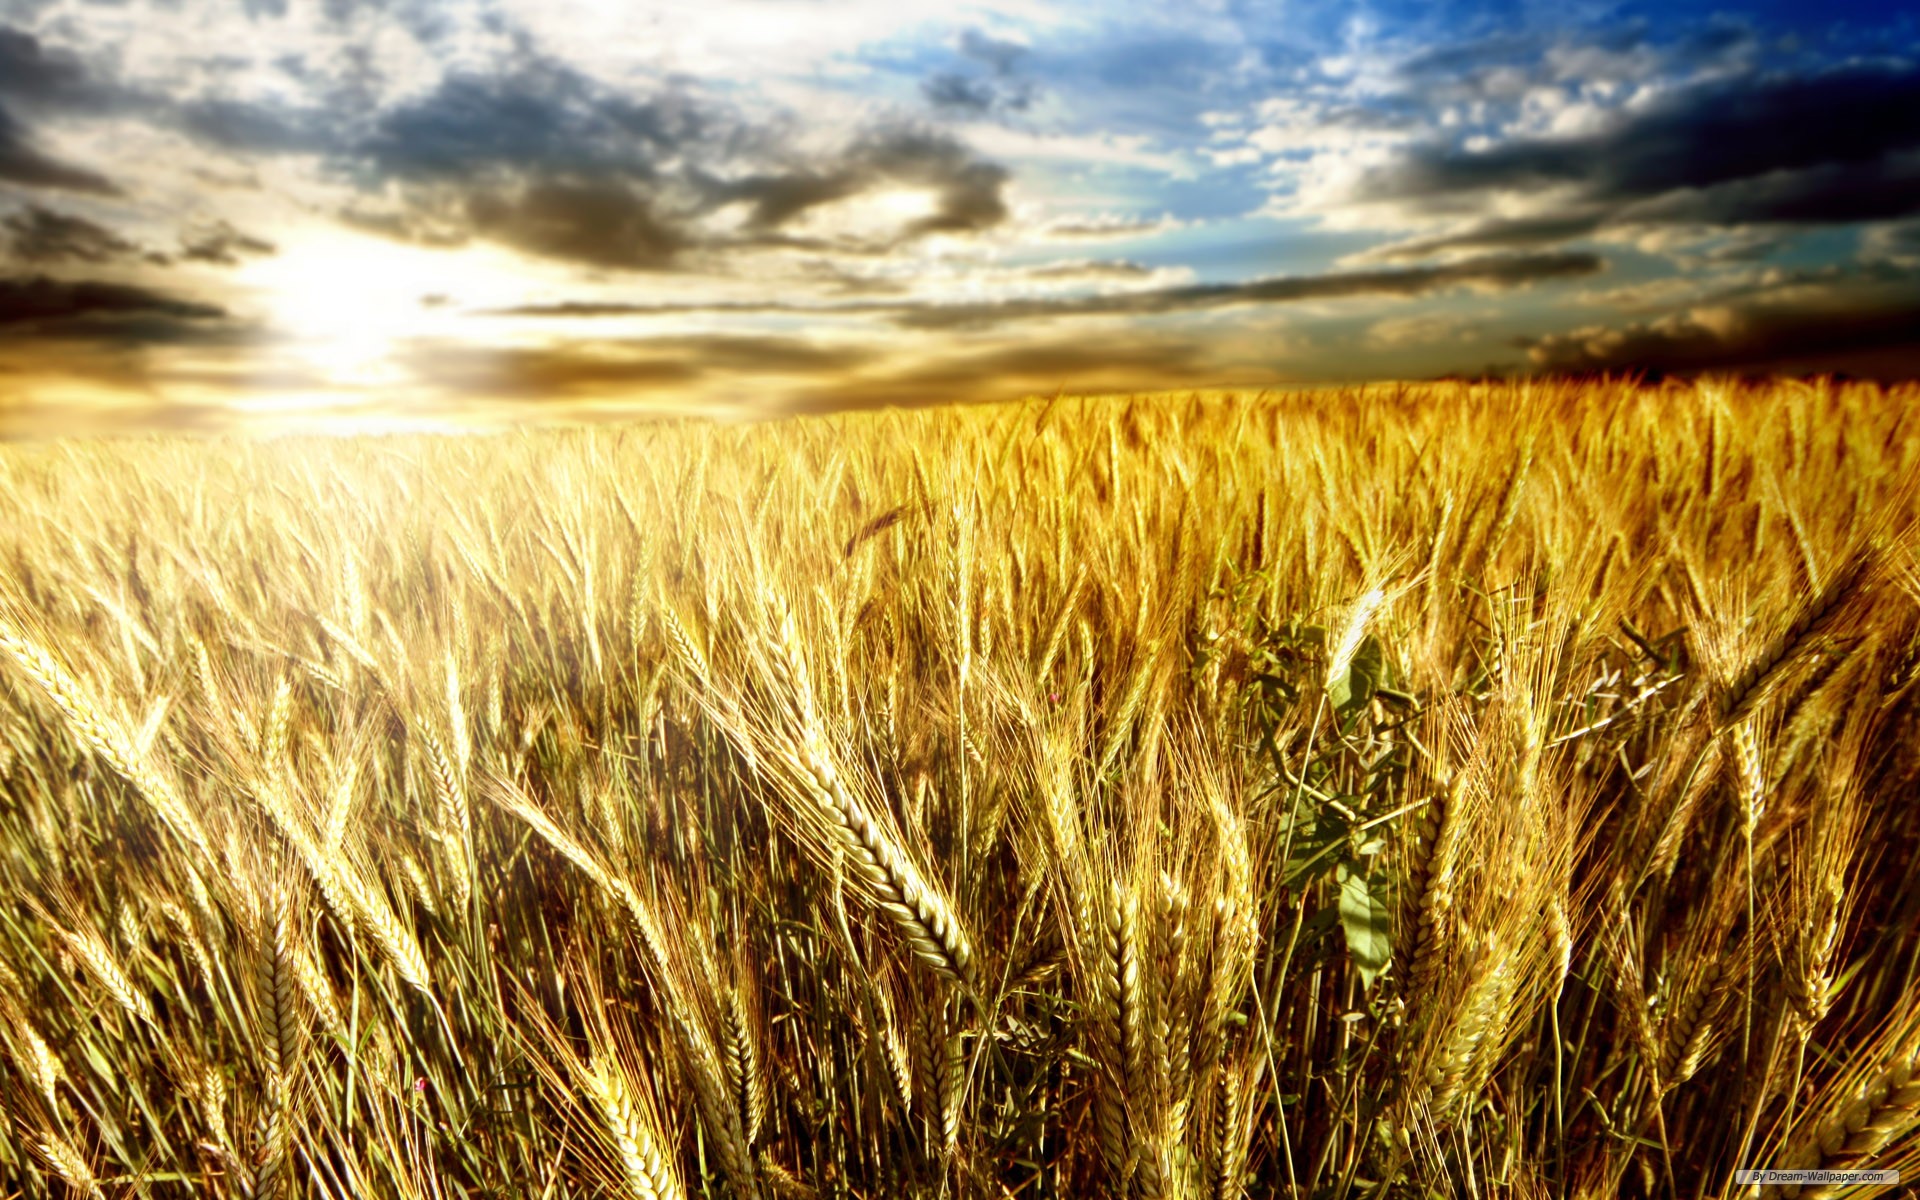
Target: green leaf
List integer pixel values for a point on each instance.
(1315, 927)
(1367, 921)
(1363, 677)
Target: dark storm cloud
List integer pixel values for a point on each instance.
(542, 117)
(40, 235)
(1864, 325)
(542, 160)
(28, 69)
(1510, 233)
(952, 90)
(44, 79)
(968, 191)
(1502, 67)
(957, 93)
(53, 82)
(538, 157)
(599, 222)
(86, 310)
(221, 245)
(23, 163)
(1831, 148)
(255, 128)
(1693, 138)
(552, 164)
(1000, 91)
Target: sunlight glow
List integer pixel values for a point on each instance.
(873, 215)
(348, 303)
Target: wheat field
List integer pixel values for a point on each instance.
(1442, 790)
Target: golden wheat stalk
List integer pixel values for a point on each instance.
(633, 1128)
(717, 1111)
(451, 789)
(282, 1048)
(743, 1064)
(1474, 1036)
(1756, 679)
(1443, 828)
(69, 1164)
(652, 937)
(932, 929)
(1864, 1119)
(103, 736)
(97, 958)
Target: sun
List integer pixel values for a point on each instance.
(346, 306)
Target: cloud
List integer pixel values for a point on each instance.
(999, 54)
(1087, 268)
(1109, 226)
(599, 222)
(951, 90)
(1897, 242)
(1005, 372)
(1501, 271)
(1499, 234)
(1839, 146)
(1492, 272)
(553, 164)
(40, 307)
(220, 244)
(41, 236)
(252, 127)
(968, 192)
(544, 117)
(625, 366)
(1001, 91)
(540, 159)
(1787, 322)
(1419, 330)
(28, 70)
(23, 163)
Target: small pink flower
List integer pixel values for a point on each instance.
(420, 1084)
(1054, 697)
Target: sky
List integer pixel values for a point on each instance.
(349, 215)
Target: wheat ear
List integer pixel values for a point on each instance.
(743, 1065)
(281, 1048)
(1751, 684)
(924, 915)
(634, 1130)
(104, 737)
(1441, 833)
(94, 954)
(1877, 1111)
(717, 1110)
(67, 1163)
